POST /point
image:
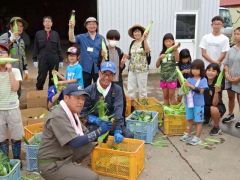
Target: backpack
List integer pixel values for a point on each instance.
(148, 55)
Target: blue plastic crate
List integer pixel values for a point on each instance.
(32, 153)
(143, 130)
(15, 173)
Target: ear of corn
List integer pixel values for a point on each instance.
(7, 60)
(102, 137)
(55, 80)
(149, 27)
(182, 81)
(72, 18)
(219, 79)
(171, 49)
(15, 27)
(104, 49)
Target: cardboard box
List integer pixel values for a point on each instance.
(37, 99)
(33, 115)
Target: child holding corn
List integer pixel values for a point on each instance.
(214, 107)
(197, 83)
(168, 74)
(10, 116)
(74, 69)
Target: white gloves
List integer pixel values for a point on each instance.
(14, 37)
(35, 64)
(61, 64)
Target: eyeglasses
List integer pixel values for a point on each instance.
(3, 52)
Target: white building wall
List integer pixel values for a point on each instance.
(122, 14)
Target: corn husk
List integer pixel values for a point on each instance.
(15, 27)
(149, 27)
(171, 49)
(182, 81)
(219, 79)
(72, 18)
(104, 49)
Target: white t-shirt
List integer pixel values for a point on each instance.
(8, 98)
(214, 45)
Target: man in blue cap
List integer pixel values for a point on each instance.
(113, 97)
(65, 140)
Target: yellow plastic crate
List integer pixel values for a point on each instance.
(150, 104)
(174, 124)
(32, 129)
(124, 160)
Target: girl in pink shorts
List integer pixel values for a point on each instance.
(168, 74)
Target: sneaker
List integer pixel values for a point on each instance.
(237, 124)
(185, 137)
(215, 131)
(228, 118)
(195, 141)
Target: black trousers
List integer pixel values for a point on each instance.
(45, 67)
(120, 83)
(89, 77)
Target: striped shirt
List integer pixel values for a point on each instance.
(8, 98)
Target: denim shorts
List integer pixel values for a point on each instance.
(196, 114)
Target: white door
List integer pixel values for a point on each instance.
(186, 31)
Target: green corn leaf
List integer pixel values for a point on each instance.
(212, 140)
(102, 137)
(25, 141)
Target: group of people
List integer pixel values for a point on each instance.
(90, 77)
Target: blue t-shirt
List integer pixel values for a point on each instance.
(198, 98)
(75, 72)
(89, 51)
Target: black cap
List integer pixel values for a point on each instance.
(74, 90)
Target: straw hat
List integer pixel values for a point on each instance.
(136, 26)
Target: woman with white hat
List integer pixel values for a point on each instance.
(138, 63)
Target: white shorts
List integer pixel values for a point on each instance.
(11, 126)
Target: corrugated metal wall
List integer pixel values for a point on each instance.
(122, 14)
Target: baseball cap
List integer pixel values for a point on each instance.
(74, 90)
(90, 19)
(108, 66)
(4, 46)
(72, 50)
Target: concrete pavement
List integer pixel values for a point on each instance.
(179, 161)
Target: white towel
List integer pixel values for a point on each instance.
(77, 128)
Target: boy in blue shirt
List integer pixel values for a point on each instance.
(74, 69)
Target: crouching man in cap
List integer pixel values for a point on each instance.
(64, 137)
(113, 97)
